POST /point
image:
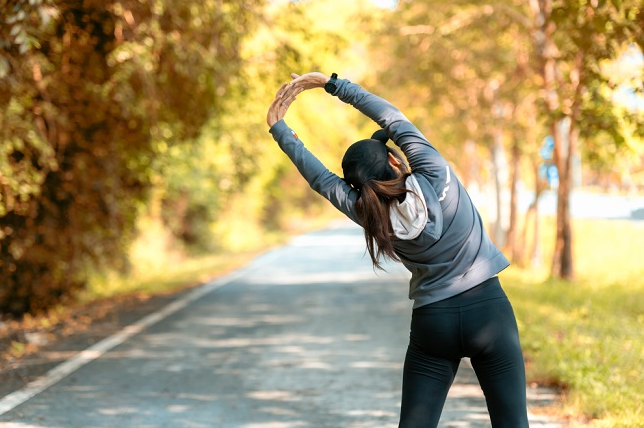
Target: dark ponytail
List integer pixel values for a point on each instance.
(373, 206)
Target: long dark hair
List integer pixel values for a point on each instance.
(373, 205)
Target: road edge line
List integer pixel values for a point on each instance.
(55, 375)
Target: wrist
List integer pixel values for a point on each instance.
(331, 84)
(277, 127)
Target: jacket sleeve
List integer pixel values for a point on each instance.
(421, 155)
(323, 181)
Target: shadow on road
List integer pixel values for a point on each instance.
(307, 336)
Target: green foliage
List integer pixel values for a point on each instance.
(107, 88)
(614, 131)
(588, 38)
(467, 65)
(485, 72)
(256, 189)
(122, 115)
(472, 67)
(229, 183)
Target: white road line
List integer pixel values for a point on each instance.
(95, 351)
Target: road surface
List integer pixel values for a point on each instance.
(307, 335)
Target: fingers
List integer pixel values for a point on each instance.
(281, 90)
(288, 89)
(288, 100)
(271, 115)
(299, 80)
(274, 105)
(307, 81)
(286, 103)
(293, 90)
(288, 92)
(283, 100)
(297, 85)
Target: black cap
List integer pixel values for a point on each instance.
(367, 160)
(380, 135)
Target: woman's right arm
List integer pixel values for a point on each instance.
(323, 181)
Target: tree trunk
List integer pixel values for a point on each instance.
(535, 256)
(562, 261)
(499, 166)
(562, 131)
(510, 238)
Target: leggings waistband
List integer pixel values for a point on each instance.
(487, 290)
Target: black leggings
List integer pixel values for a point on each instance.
(479, 324)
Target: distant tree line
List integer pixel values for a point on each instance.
(504, 75)
(114, 110)
(89, 90)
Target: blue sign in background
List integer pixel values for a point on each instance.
(547, 169)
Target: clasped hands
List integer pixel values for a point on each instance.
(288, 91)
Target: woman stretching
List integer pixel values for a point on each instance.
(425, 219)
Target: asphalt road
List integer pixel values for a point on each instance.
(307, 335)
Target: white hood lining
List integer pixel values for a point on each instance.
(409, 218)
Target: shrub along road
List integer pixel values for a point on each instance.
(307, 335)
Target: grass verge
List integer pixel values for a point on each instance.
(586, 335)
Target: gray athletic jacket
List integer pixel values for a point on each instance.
(453, 253)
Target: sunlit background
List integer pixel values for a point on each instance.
(135, 155)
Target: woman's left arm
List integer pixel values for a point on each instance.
(422, 156)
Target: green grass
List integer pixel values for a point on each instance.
(160, 264)
(170, 278)
(587, 335)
